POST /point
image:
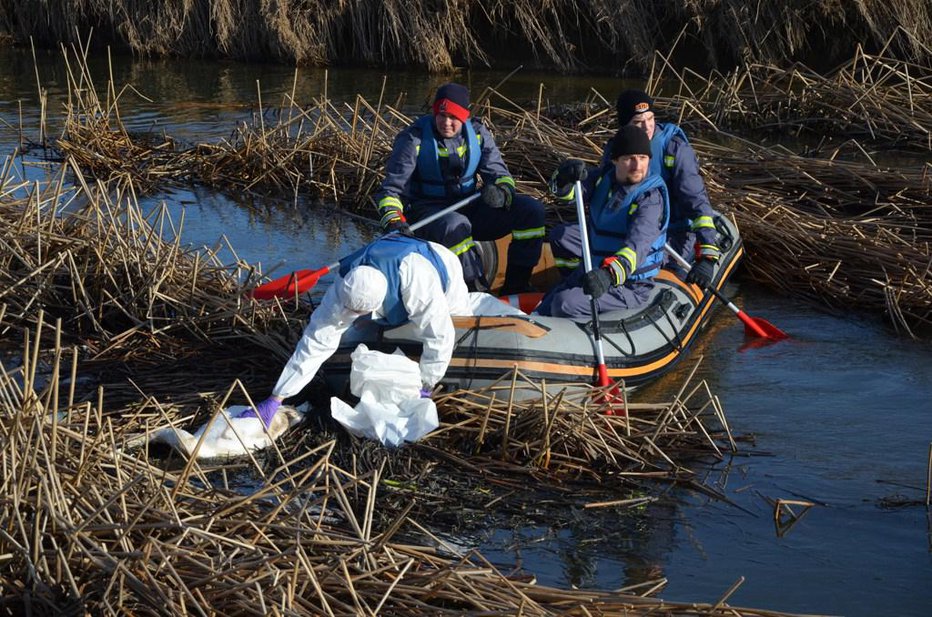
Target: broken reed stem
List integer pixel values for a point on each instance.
(929, 476)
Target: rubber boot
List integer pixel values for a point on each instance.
(517, 280)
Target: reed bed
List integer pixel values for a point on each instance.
(582, 432)
(122, 286)
(561, 34)
(876, 99)
(832, 224)
(314, 525)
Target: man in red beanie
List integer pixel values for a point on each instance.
(627, 223)
(439, 160)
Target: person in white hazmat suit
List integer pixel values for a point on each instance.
(397, 279)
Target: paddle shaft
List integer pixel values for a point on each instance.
(303, 280)
(427, 220)
(587, 265)
(750, 323)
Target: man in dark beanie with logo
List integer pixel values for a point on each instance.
(439, 160)
(692, 229)
(627, 223)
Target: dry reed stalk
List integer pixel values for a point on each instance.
(563, 433)
(883, 100)
(556, 34)
(876, 256)
(104, 531)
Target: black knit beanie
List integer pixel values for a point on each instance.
(631, 103)
(629, 139)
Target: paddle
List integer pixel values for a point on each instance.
(603, 379)
(300, 281)
(752, 326)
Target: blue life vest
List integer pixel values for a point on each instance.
(610, 220)
(663, 133)
(385, 255)
(429, 181)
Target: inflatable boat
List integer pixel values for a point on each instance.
(639, 345)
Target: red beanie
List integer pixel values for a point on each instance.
(452, 99)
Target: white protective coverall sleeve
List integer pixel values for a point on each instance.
(461, 301)
(457, 293)
(430, 313)
(321, 338)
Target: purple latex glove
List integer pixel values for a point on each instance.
(266, 411)
(426, 392)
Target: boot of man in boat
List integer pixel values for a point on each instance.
(517, 280)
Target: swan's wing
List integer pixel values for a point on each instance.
(176, 438)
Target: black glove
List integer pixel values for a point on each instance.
(495, 196)
(596, 282)
(570, 171)
(401, 226)
(701, 273)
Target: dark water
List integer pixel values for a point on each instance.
(839, 414)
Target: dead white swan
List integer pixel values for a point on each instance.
(224, 437)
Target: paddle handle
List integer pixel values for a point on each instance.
(427, 220)
(748, 322)
(587, 265)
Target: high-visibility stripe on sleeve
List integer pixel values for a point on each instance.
(569, 263)
(571, 196)
(391, 215)
(710, 251)
(703, 222)
(630, 257)
(528, 234)
(392, 202)
(461, 247)
(506, 180)
(617, 270)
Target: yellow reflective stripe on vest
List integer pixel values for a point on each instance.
(442, 151)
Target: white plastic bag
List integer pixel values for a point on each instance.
(390, 408)
(390, 378)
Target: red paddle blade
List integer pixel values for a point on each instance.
(755, 326)
(612, 397)
(771, 331)
(290, 284)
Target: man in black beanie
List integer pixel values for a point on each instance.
(628, 214)
(692, 227)
(437, 161)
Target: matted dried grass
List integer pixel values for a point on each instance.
(831, 223)
(314, 525)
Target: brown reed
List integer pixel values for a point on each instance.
(830, 224)
(92, 527)
(561, 34)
